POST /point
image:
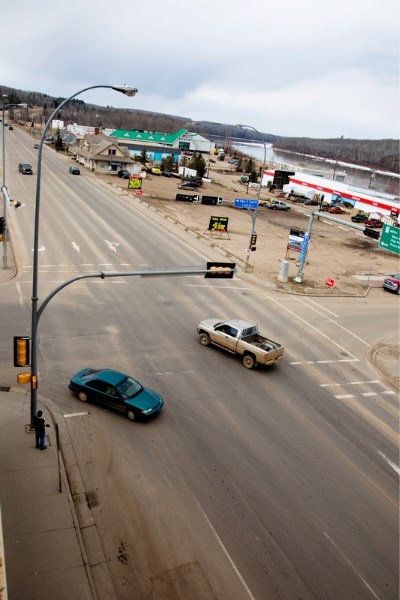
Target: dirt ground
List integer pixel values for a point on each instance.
(345, 255)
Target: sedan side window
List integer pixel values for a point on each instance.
(101, 386)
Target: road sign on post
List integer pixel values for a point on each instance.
(390, 238)
(245, 203)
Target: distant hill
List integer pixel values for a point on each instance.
(377, 154)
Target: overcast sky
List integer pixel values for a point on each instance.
(312, 68)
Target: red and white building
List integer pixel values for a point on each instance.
(329, 190)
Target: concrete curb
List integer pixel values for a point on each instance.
(92, 551)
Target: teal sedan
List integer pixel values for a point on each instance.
(116, 391)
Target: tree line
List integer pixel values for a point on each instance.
(376, 154)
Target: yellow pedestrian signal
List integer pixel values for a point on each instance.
(220, 270)
(23, 378)
(21, 351)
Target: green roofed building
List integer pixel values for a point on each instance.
(160, 145)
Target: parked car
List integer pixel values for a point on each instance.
(167, 174)
(277, 205)
(311, 202)
(36, 146)
(116, 391)
(124, 173)
(392, 283)
(374, 223)
(335, 210)
(25, 168)
(156, 170)
(190, 185)
(74, 171)
(359, 218)
(10, 127)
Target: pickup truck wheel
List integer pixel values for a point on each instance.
(204, 339)
(82, 397)
(249, 361)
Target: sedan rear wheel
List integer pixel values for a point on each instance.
(82, 396)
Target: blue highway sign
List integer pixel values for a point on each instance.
(245, 203)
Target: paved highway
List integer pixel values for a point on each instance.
(274, 483)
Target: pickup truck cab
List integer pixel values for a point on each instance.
(239, 337)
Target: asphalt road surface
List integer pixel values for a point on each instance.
(273, 483)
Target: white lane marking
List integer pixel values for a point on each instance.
(225, 551)
(365, 394)
(296, 316)
(20, 295)
(323, 362)
(75, 246)
(112, 245)
(41, 249)
(365, 582)
(335, 323)
(349, 383)
(79, 414)
(322, 308)
(392, 464)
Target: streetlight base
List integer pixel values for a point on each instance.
(298, 278)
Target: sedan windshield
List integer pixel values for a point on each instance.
(129, 387)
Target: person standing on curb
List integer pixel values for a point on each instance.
(40, 424)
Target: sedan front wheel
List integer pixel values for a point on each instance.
(82, 396)
(131, 414)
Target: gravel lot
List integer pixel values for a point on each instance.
(353, 260)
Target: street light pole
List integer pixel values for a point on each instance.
(124, 89)
(254, 213)
(3, 187)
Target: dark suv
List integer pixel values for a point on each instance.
(190, 185)
(25, 169)
(124, 173)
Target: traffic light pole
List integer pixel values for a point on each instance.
(317, 213)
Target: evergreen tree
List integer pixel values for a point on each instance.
(59, 143)
(199, 164)
(143, 157)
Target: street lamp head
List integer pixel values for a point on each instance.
(128, 90)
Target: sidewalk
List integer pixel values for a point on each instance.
(50, 538)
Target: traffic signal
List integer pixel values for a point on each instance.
(372, 233)
(253, 241)
(2, 224)
(220, 270)
(21, 351)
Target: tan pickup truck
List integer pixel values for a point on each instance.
(240, 337)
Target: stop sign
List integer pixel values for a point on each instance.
(329, 282)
